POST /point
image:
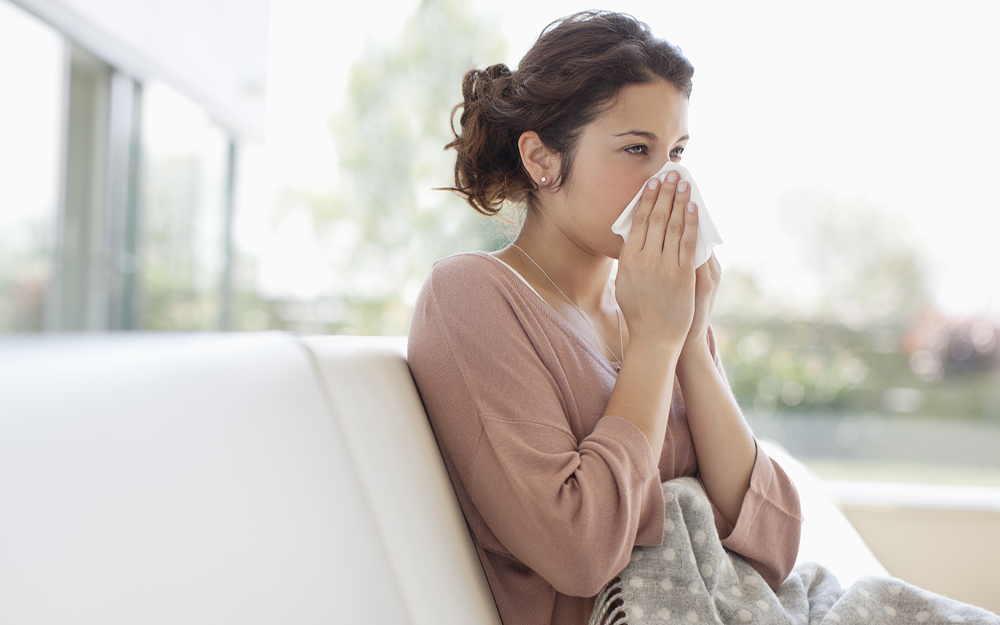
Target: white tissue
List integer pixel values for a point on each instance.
(708, 234)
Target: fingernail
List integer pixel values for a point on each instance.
(672, 176)
(690, 207)
(653, 183)
(682, 186)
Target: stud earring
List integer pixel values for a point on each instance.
(543, 179)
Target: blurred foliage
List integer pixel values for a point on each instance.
(385, 224)
(809, 367)
(869, 341)
(853, 264)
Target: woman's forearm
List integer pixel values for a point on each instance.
(723, 441)
(644, 388)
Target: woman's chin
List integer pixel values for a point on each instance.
(615, 249)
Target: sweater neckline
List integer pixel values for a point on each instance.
(547, 309)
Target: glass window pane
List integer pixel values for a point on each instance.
(182, 213)
(31, 72)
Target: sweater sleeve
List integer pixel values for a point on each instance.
(767, 530)
(769, 524)
(571, 510)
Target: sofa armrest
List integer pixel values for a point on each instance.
(827, 536)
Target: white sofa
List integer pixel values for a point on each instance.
(246, 478)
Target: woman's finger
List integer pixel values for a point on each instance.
(716, 268)
(659, 217)
(640, 219)
(678, 218)
(689, 236)
(704, 272)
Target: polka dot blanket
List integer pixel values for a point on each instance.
(691, 578)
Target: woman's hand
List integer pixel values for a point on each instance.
(655, 288)
(655, 285)
(723, 442)
(707, 278)
(665, 298)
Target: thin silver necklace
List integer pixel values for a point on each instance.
(583, 314)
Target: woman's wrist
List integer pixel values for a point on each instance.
(695, 357)
(660, 350)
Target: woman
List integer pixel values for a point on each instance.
(558, 413)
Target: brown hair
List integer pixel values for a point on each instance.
(570, 75)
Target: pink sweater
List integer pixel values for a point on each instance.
(555, 491)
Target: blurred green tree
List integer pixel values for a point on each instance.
(842, 349)
(385, 224)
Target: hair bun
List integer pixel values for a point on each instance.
(488, 168)
(491, 82)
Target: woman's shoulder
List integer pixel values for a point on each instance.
(472, 289)
(470, 271)
(464, 262)
(468, 302)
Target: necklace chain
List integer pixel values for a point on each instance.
(618, 310)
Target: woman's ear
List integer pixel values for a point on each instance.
(541, 163)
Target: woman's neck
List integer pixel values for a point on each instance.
(580, 274)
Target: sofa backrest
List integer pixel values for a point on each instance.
(388, 438)
(251, 478)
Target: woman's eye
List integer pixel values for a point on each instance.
(677, 152)
(637, 149)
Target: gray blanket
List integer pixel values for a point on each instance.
(692, 578)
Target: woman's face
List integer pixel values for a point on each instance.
(615, 155)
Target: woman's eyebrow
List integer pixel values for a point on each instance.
(641, 133)
(648, 135)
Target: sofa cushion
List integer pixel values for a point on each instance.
(180, 479)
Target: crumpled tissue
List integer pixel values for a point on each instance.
(708, 234)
